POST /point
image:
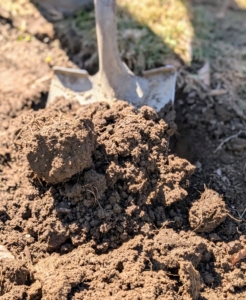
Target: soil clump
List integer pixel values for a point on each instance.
(59, 149)
(208, 212)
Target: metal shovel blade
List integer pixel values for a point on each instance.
(155, 88)
(78, 85)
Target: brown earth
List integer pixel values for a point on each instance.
(129, 222)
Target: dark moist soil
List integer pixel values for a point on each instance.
(116, 216)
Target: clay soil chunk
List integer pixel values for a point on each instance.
(208, 212)
(59, 149)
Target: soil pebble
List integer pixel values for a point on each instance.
(59, 148)
(208, 212)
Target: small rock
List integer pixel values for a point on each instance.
(218, 171)
(208, 278)
(5, 253)
(117, 209)
(214, 237)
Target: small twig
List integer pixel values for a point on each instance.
(170, 274)
(151, 264)
(233, 218)
(228, 139)
(24, 127)
(95, 198)
(241, 216)
(39, 180)
(1, 279)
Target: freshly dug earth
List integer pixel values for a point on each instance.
(67, 237)
(104, 232)
(121, 182)
(141, 269)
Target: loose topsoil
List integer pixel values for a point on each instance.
(93, 205)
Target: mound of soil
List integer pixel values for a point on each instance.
(104, 232)
(120, 185)
(121, 179)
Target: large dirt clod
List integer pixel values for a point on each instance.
(59, 148)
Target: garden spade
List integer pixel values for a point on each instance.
(114, 80)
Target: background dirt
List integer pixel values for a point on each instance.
(123, 228)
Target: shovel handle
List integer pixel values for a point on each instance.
(110, 63)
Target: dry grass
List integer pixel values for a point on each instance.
(17, 7)
(169, 20)
(241, 3)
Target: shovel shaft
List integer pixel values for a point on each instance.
(114, 80)
(110, 63)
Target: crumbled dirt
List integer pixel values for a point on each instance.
(121, 182)
(142, 268)
(208, 212)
